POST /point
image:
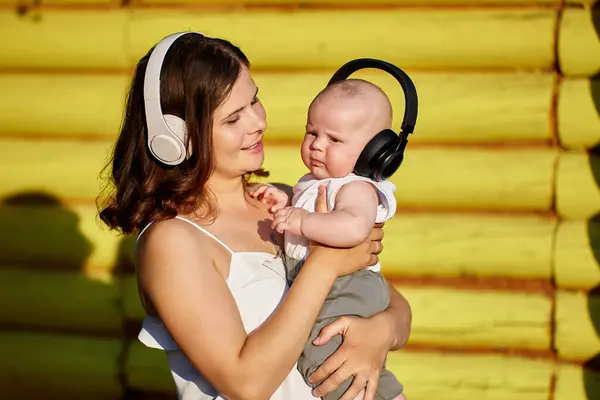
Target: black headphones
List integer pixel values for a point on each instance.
(383, 155)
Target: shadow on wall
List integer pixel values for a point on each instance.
(591, 375)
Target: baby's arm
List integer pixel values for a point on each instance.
(351, 220)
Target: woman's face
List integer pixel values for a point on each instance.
(238, 126)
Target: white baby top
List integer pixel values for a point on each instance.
(257, 283)
(305, 194)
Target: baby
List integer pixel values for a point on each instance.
(341, 121)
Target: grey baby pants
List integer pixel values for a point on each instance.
(363, 293)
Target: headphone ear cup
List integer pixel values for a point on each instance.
(377, 154)
(177, 127)
(170, 149)
(389, 163)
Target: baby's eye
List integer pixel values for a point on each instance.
(311, 134)
(334, 140)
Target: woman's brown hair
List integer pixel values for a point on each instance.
(197, 75)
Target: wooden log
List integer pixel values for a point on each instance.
(60, 39)
(474, 38)
(586, 3)
(441, 376)
(439, 178)
(63, 238)
(578, 185)
(578, 116)
(425, 375)
(80, 3)
(577, 325)
(419, 245)
(35, 111)
(58, 300)
(487, 319)
(409, 38)
(35, 366)
(578, 44)
(339, 3)
(576, 383)
(147, 369)
(416, 244)
(454, 177)
(446, 103)
(510, 107)
(576, 261)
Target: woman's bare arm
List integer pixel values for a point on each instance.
(399, 316)
(195, 304)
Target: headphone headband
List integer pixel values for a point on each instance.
(164, 132)
(383, 155)
(410, 93)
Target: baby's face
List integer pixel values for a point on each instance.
(337, 130)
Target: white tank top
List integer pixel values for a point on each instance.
(257, 283)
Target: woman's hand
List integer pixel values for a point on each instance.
(344, 261)
(362, 354)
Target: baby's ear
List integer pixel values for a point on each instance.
(284, 187)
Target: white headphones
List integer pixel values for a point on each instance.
(166, 133)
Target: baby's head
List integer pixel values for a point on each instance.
(341, 120)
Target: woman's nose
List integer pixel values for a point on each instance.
(258, 122)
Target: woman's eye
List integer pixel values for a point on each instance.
(233, 121)
(310, 134)
(254, 101)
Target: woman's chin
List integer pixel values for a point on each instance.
(256, 164)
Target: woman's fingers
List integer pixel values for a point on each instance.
(376, 234)
(337, 327)
(333, 382)
(354, 391)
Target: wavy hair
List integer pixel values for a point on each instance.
(197, 75)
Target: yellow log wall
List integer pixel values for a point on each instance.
(578, 123)
(496, 244)
(576, 383)
(445, 178)
(49, 366)
(511, 107)
(579, 47)
(416, 244)
(575, 265)
(578, 185)
(411, 38)
(577, 336)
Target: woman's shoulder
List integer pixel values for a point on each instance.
(174, 237)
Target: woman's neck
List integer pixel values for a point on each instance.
(229, 193)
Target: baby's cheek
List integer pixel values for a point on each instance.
(341, 164)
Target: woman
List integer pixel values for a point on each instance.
(208, 269)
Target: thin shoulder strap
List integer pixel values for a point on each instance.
(207, 233)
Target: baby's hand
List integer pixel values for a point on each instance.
(275, 198)
(289, 219)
